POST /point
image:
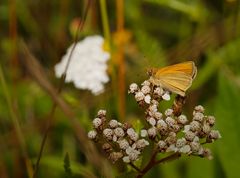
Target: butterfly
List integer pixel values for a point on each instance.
(176, 78)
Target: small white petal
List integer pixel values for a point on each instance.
(92, 134)
(114, 138)
(143, 133)
(126, 159)
(147, 99)
(185, 149)
(172, 148)
(196, 139)
(186, 128)
(166, 96)
(152, 121)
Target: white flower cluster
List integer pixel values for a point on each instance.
(169, 131)
(129, 144)
(199, 129)
(145, 95)
(164, 127)
(88, 65)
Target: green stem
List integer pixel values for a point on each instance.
(108, 44)
(105, 24)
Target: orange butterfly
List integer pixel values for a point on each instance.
(175, 78)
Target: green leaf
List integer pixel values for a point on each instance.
(200, 168)
(151, 48)
(228, 54)
(127, 174)
(55, 164)
(171, 169)
(194, 11)
(67, 166)
(228, 121)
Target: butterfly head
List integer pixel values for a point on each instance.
(151, 72)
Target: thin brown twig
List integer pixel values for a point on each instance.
(50, 118)
(86, 146)
(149, 165)
(168, 158)
(134, 167)
(153, 162)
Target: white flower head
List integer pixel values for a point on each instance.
(87, 67)
(92, 134)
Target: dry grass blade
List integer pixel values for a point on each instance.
(37, 72)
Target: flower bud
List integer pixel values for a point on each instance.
(107, 147)
(158, 91)
(181, 142)
(195, 126)
(169, 112)
(146, 83)
(139, 96)
(92, 134)
(198, 116)
(189, 135)
(152, 132)
(142, 143)
(152, 121)
(119, 132)
(211, 120)
(182, 119)
(162, 145)
(101, 113)
(133, 88)
(113, 124)
(199, 108)
(123, 144)
(166, 96)
(108, 133)
(97, 122)
(114, 156)
(147, 99)
(146, 89)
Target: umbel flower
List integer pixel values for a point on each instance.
(169, 133)
(88, 65)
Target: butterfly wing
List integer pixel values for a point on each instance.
(188, 68)
(177, 82)
(176, 78)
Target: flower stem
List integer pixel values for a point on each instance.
(120, 59)
(153, 162)
(168, 158)
(105, 23)
(134, 167)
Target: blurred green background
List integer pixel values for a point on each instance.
(155, 33)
